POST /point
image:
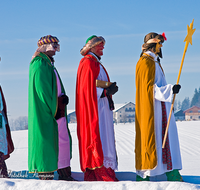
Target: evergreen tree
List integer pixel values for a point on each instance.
(175, 105)
(185, 104)
(179, 105)
(198, 103)
(195, 98)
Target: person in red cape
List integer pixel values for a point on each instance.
(94, 105)
(6, 144)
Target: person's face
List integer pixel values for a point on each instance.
(56, 46)
(50, 53)
(158, 46)
(98, 50)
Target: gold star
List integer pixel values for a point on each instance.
(190, 31)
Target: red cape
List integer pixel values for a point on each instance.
(90, 147)
(8, 134)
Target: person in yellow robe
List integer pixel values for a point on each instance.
(153, 102)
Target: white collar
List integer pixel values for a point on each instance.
(152, 54)
(94, 56)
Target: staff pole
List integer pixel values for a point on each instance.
(188, 40)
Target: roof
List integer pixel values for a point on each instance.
(179, 113)
(119, 106)
(193, 107)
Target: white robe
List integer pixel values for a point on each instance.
(106, 126)
(163, 92)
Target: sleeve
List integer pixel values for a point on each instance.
(163, 93)
(2, 114)
(1, 103)
(99, 92)
(99, 89)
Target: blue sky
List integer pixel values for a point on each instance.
(123, 24)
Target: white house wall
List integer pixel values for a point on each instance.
(125, 114)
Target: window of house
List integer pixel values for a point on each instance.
(191, 111)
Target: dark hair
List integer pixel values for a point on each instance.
(152, 45)
(148, 47)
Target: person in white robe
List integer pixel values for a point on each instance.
(162, 97)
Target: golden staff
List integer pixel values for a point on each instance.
(188, 40)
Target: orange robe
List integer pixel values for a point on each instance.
(145, 143)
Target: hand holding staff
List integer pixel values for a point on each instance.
(188, 40)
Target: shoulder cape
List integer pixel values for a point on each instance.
(145, 147)
(42, 126)
(90, 148)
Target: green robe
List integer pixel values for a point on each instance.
(42, 107)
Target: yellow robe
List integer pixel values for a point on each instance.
(145, 143)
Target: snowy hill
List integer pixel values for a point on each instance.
(189, 136)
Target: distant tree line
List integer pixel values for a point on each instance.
(186, 103)
(21, 123)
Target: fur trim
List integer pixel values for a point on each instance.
(92, 43)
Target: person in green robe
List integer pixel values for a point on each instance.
(49, 139)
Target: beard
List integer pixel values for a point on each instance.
(159, 53)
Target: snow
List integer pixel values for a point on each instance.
(70, 111)
(189, 137)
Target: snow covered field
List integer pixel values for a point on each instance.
(189, 137)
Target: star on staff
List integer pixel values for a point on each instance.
(190, 31)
